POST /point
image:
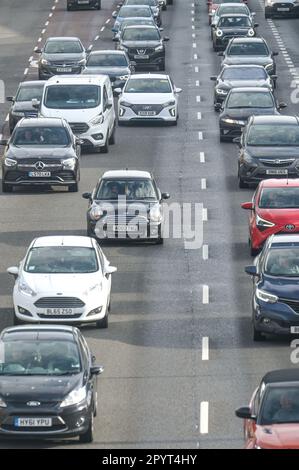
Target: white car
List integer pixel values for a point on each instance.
(148, 97)
(63, 279)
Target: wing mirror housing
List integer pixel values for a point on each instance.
(247, 205)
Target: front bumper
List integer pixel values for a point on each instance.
(256, 174)
(154, 59)
(92, 136)
(47, 71)
(15, 177)
(131, 114)
(82, 5)
(148, 231)
(282, 9)
(274, 319)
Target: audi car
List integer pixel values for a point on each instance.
(231, 25)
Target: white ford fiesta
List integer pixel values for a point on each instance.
(148, 97)
(65, 279)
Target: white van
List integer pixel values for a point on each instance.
(86, 102)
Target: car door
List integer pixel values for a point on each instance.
(250, 424)
(111, 110)
(89, 380)
(106, 278)
(252, 214)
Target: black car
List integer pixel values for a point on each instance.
(234, 76)
(61, 55)
(232, 25)
(143, 45)
(240, 104)
(113, 63)
(275, 296)
(281, 8)
(155, 7)
(48, 383)
(253, 51)
(22, 101)
(126, 205)
(269, 148)
(43, 152)
(79, 4)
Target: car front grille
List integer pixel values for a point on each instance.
(61, 317)
(293, 304)
(79, 127)
(57, 176)
(136, 51)
(59, 302)
(63, 64)
(157, 108)
(279, 163)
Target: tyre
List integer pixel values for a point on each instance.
(257, 335)
(253, 251)
(242, 184)
(17, 321)
(105, 148)
(162, 66)
(99, 5)
(87, 437)
(103, 323)
(112, 137)
(73, 188)
(6, 188)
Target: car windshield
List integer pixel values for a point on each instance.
(250, 100)
(132, 189)
(40, 136)
(28, 93)
(135, 21)
(39, 357)
(61, 260)
(140, 34)
(234, 22)
(107, 60)
(218, 2)
(283, 261)
(273, 135)
(279, 198)
(247, 49)
(245, 73)
(151, 3)
(238, 8)
(126, 12)
(280, 405)
(148, 85)
(63, 47)
(72, 96)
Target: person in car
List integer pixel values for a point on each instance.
(284, 265)
(288, 411)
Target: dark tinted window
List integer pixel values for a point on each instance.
(273, 135)
(252, 48)
(107, 60)
(63, 47)
(139, 34)
(147, 85)
(57, 136)
(254, 73)
(279, 198)
(250, 100)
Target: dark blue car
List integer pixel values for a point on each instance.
(275, 300)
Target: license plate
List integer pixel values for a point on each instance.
(33, 422)
(141, 56)
(147, 113)
(283, 9)
(276, 172)
(59, 311)
(83, 2)
(39, 174)
(295, 330)
(64, 69)
(125, 228)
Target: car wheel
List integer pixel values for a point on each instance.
(103, 323)
(6, 188)
(87, 437)
(105, 148)
(162, 66)
(253, 251)
(257, 335)
(242, 184)
(17, 321)
(112, 137)
(73, 188)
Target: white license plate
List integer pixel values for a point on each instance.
(141, 56)
(283, 9)
(83, 2)
(33, 422)
(147, 113)
(39, 174)
(295, 330)
(125, 228)
(276, 172)
(64, 69)
(59, 311)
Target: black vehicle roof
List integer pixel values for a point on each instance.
(277, 119)
(250, 89)
(281, 376)
(250, 40)
(41, 332)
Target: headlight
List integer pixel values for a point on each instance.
(248, 160)
(221, 91)
(266, 297)
(73, 398)
(155, 214)
(45, 62)
(2, 403)
(125, 104)
(270, 2)
(82, 62)
(124, 77)
(251, 32)
(96, 213)
(219, 33)
(262, 222)
(18, 113)
(233, 121)
(97, 120)
(169, 103)
(159, 48)
(269, 67)
(24, 288)
(10, 162)
(69, 163)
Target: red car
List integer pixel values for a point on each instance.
(214, 4)
(271, 421)
(274, 209)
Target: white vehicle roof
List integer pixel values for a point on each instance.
(126, 174)
(148, 75)
(59, 240)
(77, 80)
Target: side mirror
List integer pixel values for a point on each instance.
(14, 271)
(247, 205)
(161, 29)
(218, 106)
(35, 103)
(117, 91)
(79, 141)
(178, 90)
(251, 270)
(220, 54)
(88, 50)
(114, 14)
(110, 269)
(166, 38)
(38, 51)
(282, 105)
(165, 195)
(86, 196)
(96, 370)
(213, 78)
(244, 413)
(256, 25)
(275, 54)
(253, 13)
(10, 98)
(3, 141)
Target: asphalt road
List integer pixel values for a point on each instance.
(157, 391)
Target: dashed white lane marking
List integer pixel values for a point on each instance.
(194, 45)
(50, 15)
(102, 28)
(205, 349)
(202, 157)
(199, 115)
(26, 71)
(53, 7)
(204, 417)
(43, 31)
(197, 83)
(198, 99)
(205, 252)
(39, 39)
(47, 23)
(193, 35)
(205, 215)
(192, 19)
(203, 186)
(7, 118)
(196, 69)
(205, 294)
(192, 12)
(195, 56)
(30, 58)
(96, 38)
(193, 27)
(200, 136)
(90, 46)
(108, 21)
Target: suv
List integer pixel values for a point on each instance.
(155, 7)
(144, 45)
(41, 152)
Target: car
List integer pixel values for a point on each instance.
(240, 104)
(253, 51)
(79, 4)
(150, 98)
(230, 25)
(63, 279)
(269, 148)
(278, 8)
(21, 103)
(126, 204)
(230, 8)
(41, 152)
(274, 209)
(271, 419)
(48, 381)
(213, 5)
(115, 64)
(144, 45)
(134, 22)
(275, 287)
(143, 11)
(61, 55)
(86, 102)
(155, 7)
(234, 76)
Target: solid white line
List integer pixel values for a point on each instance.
(204, 215)
(198, 99)
(102, 28)
(205, 348)
(25, 71)
(203, 186)
(199, 115)
(205, 252)
(108, 21)
(197, 83)
(200, 136)
(202, 157)
(205, 294)
(96, 38)
(196, 69)
(204, 417)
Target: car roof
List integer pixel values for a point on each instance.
(77, 79)
(41, 122)
(107, 51)
(126, 174)
(231, 4)
(142, 26)
(63, 38)
(237, 15)
(63, 240)
(242, 66)
(277, 119)
(149, 75)
(279, 183)
(281, 376)
(250, 40)
(254, 89)
(48, 331)
(284, 239)
(32, 83)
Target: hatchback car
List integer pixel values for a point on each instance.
(271, 421)
(269, 147)
(155, 7)
(63, 279)
(240, 104)
(41, 152)
(274, 209)
(61, 55)
(148, 97)
(126, 204)
(231, 25)
(275, 294)
(228, 8)
(21, 103)
(124, 12)
(48, 383)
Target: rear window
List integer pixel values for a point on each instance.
(250, 100)
(247, 49)
(107, 60)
